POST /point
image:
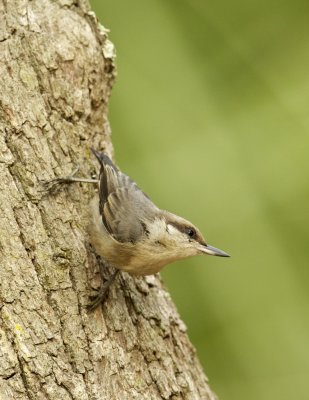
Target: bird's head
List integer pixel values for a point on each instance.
(185, 239)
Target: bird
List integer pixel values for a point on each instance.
(130, 232)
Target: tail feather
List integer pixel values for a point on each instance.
(103, 159)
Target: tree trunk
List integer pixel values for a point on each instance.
(56, 75)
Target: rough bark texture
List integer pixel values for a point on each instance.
(56, 73)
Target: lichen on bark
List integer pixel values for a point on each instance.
(56, 74)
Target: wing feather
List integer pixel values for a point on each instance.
(124, 207)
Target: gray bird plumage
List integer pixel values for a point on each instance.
(124, 207)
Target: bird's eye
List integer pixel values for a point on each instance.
(191, 232)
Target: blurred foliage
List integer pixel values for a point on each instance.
(210, 117)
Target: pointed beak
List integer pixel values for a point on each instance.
(213, 251)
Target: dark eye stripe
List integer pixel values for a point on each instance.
(180, 227)
(190, 232)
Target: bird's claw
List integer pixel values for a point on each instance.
(53, 184)
(103, 292)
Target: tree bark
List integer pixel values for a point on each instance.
(56, 74)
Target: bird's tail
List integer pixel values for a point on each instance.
(103, 159)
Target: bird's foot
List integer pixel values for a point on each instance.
(103, 292)
(53, 184)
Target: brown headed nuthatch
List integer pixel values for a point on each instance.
(131, 233)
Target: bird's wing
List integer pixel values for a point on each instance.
(123, 205)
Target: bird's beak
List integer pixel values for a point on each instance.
(212, 251)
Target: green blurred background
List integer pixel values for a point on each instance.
(210, 116)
